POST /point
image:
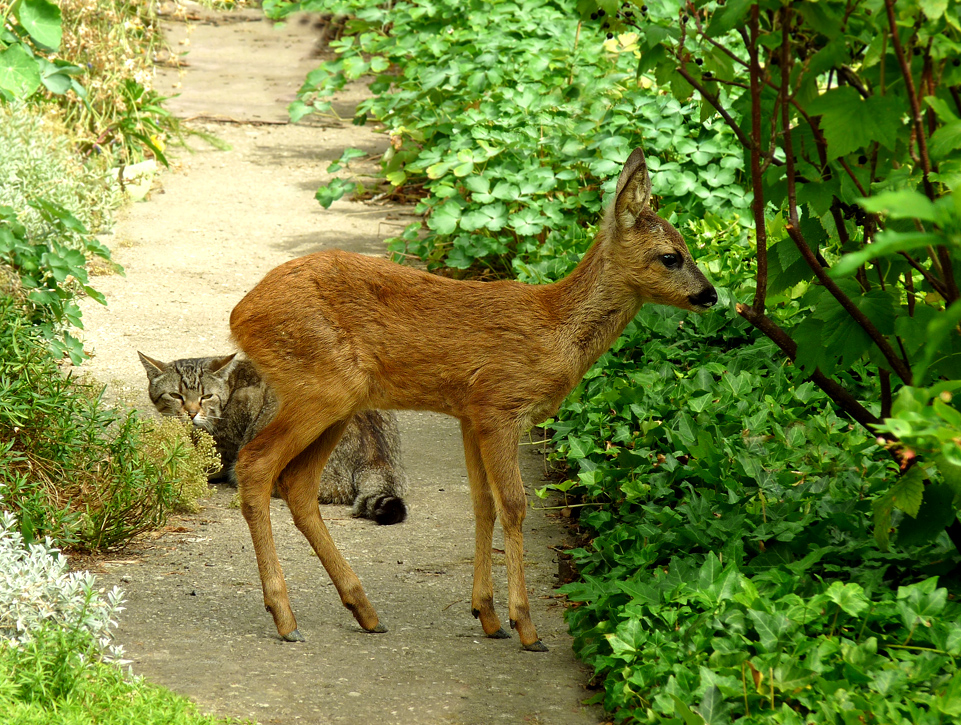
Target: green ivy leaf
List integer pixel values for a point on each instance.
(849, 597)
(770, 628)
(945, 141)
(713, 708)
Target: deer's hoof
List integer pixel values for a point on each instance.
(537, 646)
(293, 636)
(500, 634)
(378, 629)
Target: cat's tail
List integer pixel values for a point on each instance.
(383, 508)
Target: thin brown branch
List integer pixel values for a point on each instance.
(886, 401)
(857, 182)
(897, 364)
(786, 114)
(917, 116)
(847, 402)
(715, 101)
(760, 228)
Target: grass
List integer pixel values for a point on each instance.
(50, 680)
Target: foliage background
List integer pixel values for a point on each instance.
(765, 496)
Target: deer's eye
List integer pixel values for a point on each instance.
(671, 261)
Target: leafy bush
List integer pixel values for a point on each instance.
(54, 637)
(74, 470)
(510, 123)
(94, 61)
(849, 119)
(46, 682)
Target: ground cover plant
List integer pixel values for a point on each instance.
(509, 138)
(769, 489)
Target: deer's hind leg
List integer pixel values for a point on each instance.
(298, 486)
(482, 597)
(498, 448)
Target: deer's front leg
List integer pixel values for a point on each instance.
(498, 447)
(298, 485)
(255, 484)
(482, 597)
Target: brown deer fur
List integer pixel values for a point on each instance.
(336, 332)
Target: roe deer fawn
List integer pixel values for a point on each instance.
(335, 332)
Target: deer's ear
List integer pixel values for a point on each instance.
(633, 194)
(153, 367)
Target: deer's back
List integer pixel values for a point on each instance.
(402, 338)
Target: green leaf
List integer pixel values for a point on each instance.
(908, 492)
(297, 110)
(934, 9)
(919, 603)
(713, 708)
(687, 714)
(41, 19)
(770, 628)
(903, 204)
(850, 122)
(936, 512)
(333, 191)
(945, 141)
(944, 325)
(444, 218)
(849, 597)
(19, 73)
(730, 15)
(886, 244)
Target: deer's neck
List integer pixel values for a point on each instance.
(595, 303)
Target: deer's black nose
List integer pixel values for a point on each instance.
(705, 298)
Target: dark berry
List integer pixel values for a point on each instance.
(708, 75)
(643, 8)
(593, 16)
(956, 62)
(867, 11)
(610, 35)
(699, 61)
(862, 159)
(601, 13)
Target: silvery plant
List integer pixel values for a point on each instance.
(37, 590)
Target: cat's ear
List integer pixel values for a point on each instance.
(222, 365)
(153, 367)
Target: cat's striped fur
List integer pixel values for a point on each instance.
(227, 397)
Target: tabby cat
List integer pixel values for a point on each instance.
(226, 397)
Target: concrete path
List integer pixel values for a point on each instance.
(195, 621)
